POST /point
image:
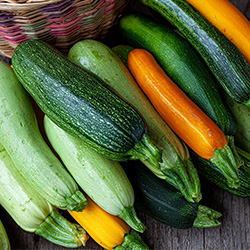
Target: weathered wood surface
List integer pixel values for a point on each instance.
(234, 233)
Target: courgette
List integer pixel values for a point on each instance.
(102, 179)
(4, 239)
(21, 137)
(222, 57)
(82, 104)
(175, 168)
(181, 63)
(165, 203)
(31, 211)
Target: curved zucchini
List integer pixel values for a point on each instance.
(175, 168)
(4, 239)
(31, 211)
(103, 180)
(20, 136)
(222, 57)
(182, 64)
(82, 104)
(165, 203)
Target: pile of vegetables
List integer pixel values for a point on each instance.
(104, 132)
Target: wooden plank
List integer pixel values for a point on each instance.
(233, 234)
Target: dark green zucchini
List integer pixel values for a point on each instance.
(182, 64)
(165, 203)
(210, 172)
(222, 57)
(82, 104)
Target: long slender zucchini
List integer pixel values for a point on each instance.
(82, 104)
(20, 136)
(176, 168)
(31, 211)
(182, 64)
(165, 203)
(222, 57)
(4, 239)
(102, 179)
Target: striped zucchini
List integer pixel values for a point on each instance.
(222, 57)
(31, 211)
(20, 136)
(82, 104)
(4, 239)
(102, 179)
(175, 168)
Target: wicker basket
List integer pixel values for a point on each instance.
(58, 22)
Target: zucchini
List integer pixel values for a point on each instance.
(20, 136)
(102, 179)
(31, 211)
(176, 168)
(82, 104)
(181, 63)
(165, 203)
(210, 172)
(4, 239)
(222, 57)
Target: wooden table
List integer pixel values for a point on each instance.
(234, 233)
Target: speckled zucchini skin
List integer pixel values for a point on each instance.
(182, 64)
(222, 57)
(77, 100)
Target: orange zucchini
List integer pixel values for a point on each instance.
(229, 20)
(186, 119)
(109, 231)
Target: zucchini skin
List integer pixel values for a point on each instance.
(4, 239)
(21, 137)
(182, 64)
(78, 101)
(222, 57)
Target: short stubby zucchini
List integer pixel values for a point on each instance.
(21, 137)
(223, 58)
(82, 104)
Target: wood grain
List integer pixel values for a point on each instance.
(234, 233)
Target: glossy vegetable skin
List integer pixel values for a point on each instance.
(31, 211)
(102, 179)
(82, 104)
(222, 57)
(228, 19)
(165, 203)
(21, 137)
(107, 230)
(181, 63)
(4, 240)
(175, 168)
(185, 118)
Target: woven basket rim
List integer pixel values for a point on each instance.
(13, 5)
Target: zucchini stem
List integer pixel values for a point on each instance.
(77, 202)
(206, 217)
(58, 230)
(128, 214)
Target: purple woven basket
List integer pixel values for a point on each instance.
(60, 23)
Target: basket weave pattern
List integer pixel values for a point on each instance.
(58, 22)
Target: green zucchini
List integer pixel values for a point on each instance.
(222, 57)
(210, 172)
(4, 239)
(20, 136)
(175, 168)
(102, 179)
(165, 203)
(31, 211)
(182, 64)
(82, 104)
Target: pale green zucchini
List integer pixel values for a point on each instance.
(4, 239)
(102, 179)
(175, 168)
(20, 136)
(31, 211)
